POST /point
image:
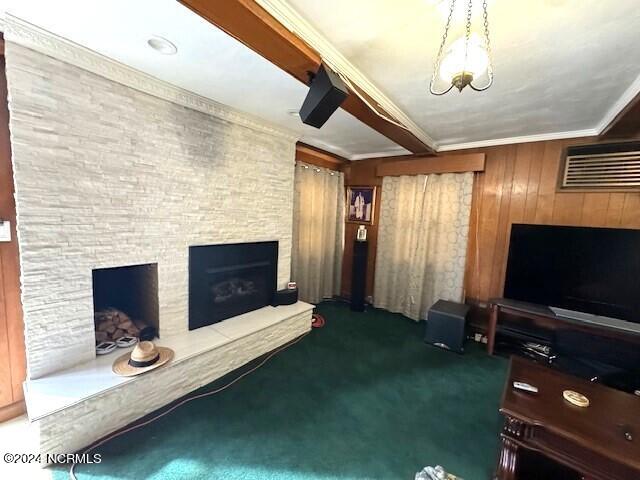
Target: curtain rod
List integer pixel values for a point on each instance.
(315, 168)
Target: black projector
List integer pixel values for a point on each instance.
(326, 94)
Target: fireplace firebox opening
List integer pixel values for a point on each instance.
(125, 301)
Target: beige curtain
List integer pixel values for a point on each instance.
(422, 241)
(318, 232)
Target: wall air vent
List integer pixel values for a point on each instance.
(612, 166)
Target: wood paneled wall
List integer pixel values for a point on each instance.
(12, 356)
(518, 185)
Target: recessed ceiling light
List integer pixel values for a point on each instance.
(162, 45)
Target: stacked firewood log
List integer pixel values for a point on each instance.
(112, 324)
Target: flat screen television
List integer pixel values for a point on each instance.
(590, 270)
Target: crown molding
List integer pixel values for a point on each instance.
(332, 149)
(590, 132)
(341, 152)
(296, 24)
(627, 96)
(396, 152)
(23, 33)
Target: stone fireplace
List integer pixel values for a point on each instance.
(125, 301)
(131, 174)
(136, 182)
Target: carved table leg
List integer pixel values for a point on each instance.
(508, 461)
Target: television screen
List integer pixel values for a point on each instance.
(591, 270)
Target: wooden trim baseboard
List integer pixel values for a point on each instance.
(12, 411)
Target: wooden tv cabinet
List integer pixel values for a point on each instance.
(543, 317)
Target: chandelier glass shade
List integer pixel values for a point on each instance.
(465, 61)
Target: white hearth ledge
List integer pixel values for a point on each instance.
(58, 391)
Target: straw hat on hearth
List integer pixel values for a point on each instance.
(144, 357)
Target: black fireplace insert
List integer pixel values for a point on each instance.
(229, 280)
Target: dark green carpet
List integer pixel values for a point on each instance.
(362, 398)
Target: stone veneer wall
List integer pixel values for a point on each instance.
(107, 176)
(66, 431)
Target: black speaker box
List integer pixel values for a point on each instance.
(288, 296)
(359, 275)
(446, 324)
(326, 94)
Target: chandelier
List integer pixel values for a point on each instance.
(466, 60)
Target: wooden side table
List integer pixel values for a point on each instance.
(599, 442)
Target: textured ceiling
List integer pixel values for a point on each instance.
(209, 62)
(560, 65)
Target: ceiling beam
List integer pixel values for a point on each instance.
(252, 25)
(627, 123)
(320, 158)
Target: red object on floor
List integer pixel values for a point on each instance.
(318, 320)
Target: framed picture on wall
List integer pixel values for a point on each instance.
(360, 204)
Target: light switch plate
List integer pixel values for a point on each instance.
(5, 231)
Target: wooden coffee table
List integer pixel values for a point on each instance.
(601, 441)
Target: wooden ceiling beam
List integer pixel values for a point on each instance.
(252, 25)
(626, 124)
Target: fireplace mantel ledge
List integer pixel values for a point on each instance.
(53, 393)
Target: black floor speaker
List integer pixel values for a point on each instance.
(359, 275)
(446, 325)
